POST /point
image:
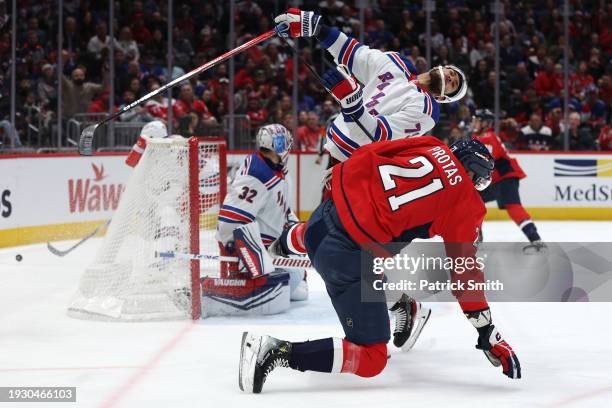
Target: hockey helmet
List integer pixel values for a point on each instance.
(475, 157)
(485, 119)
(276, 138)
(153, 130)
(461, 89)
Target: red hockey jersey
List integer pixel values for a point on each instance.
(505, 166)
(405, 189)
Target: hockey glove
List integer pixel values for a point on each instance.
(297, 23)
(253, 258)
(498, 351)
(344, 87)
(290, 242)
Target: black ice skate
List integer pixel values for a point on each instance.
(410, 319)
(535, 247)
(259, 355)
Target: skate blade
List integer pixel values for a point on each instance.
(421, 320)
(249, 350)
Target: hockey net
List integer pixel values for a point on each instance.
(171, 203)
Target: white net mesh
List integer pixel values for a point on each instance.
(211, 188)
(126, 280)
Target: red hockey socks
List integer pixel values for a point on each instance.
(334, 355)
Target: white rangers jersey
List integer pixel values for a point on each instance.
(393, 105)
(257, 194)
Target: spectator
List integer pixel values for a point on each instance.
(101, 104)
(605, 138)
(8, 134)
(158, 105)
(137, 114)
(536, 136)
(128, 45)
(546, 81)
(47, 88)
(77, 93)
(308, 136)
(191, 114)
(256, 113)
(99, 42)
(580, 137)
(328, 109)
(594, 109)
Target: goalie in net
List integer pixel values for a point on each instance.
(254, 213)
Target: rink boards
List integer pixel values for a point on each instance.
(64, 196)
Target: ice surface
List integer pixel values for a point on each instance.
(563, 348)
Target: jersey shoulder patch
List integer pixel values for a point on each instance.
(255, 166)
(403, 64)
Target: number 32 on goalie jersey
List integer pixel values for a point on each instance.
(410, 191)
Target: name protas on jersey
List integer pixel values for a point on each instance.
(447, 164)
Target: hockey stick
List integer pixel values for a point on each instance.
(88, 134)
(289, 263)
(314, 73)
(59, 252)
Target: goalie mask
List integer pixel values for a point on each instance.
(461, 88)
(276, 138)
(475, 158)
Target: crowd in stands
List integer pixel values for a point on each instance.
(531, 70)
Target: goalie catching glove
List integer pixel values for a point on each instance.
(297, 23)
(345, 88)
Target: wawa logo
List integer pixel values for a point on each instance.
(92, 194)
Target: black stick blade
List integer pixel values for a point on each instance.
(86, 140)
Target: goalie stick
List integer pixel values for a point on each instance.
(288, 263)
(88, 134)
(60, 253)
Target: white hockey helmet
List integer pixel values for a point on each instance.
(461, 90)
(276, 138)
(153, 130)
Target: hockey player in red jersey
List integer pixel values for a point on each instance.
(504, 187)
(391, 191)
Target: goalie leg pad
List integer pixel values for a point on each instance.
(265, 295)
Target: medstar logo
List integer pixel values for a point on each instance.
(91, 194)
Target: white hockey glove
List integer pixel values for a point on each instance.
(297, 23)
(253, 258)
(344, 87)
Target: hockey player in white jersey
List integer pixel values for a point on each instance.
(382, 97)
(393, 102)
(259, 194)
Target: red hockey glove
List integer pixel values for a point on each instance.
(498, 351)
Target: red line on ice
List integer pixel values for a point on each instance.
(116, 396)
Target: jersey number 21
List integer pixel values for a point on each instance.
(388, 171)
